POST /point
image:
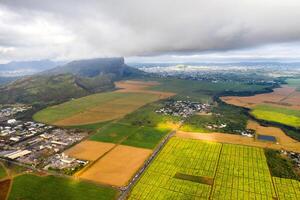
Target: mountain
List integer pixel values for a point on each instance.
(72, 80)
(22, 68)
(91, 67)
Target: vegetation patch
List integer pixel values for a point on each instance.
(182, 166)
(280, 166)
(197, 179)
(225, 119)
(204, 91)
(294, 83)
(2, 172)
(144, 137)
(278, 115)
(183, 156)
(242, 172)
(32, 187)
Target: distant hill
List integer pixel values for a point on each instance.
(72, 80)
(22, 68)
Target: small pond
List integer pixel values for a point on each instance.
(266, 138)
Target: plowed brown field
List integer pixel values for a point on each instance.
(285, 96)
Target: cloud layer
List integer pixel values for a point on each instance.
(71, 29)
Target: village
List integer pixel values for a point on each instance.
(36, 144)
(183, 108)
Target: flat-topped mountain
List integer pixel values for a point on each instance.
(75, 79)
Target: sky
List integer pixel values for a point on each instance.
(150, 31)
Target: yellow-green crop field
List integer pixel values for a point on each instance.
(229, 172)
(287, 188)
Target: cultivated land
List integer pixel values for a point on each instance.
(282, 139)
(287, 188)
(89, 150)
(101, 107)
(238, 139)
(33, 187)
(144, 137)
(286, 97)
(118, 166)
(211, 170)
(279, 115)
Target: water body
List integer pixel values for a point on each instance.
(266, 138)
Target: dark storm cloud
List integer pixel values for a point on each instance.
(78, 28)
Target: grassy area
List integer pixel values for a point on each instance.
(105, 106)
(203, 91)
(294, 83)
(144, 137)
(2, 172)
(235, 119)
(146, 116)
(91, 127)
(31, 187)
(239, 172)
(280, 166)
(279, 115)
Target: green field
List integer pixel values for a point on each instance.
(2, 172)
(31, 187)
(242, 173)
(184, 156)
(203, 91)
(113, 101)
(238, 172)
(294, 83)
(279, 115)
(144, 137)
(287, 189)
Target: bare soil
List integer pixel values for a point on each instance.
(238, 139)
(285, 96)
(118, 166)
(4, 188)
(89, 150)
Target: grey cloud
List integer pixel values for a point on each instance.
(78, 28)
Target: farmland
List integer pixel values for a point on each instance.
(34, 187)
(204, 91)
(279, 115)
(102, 107)
(287, 188)
(294, 83)
(145, 137)
(286, 97)
(212, 170)
(94, 108)
(117, 167)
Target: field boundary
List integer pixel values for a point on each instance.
(127, 189)
(217, 167)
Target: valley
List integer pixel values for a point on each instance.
(157, 138)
